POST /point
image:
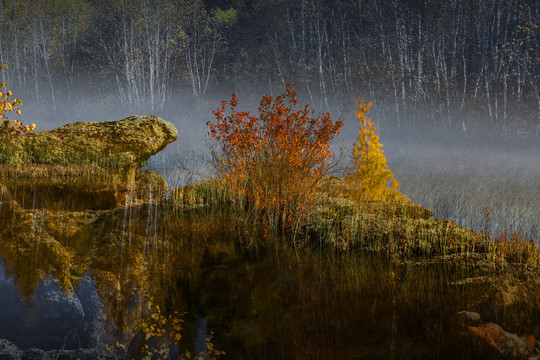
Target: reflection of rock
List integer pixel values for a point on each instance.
(52, 319)
(92, 330)
(149, 186)
(30, 250)
(9, 351)
(492, 340)
(113, 241)
(45, 321)
(54, 308)
(85, 161)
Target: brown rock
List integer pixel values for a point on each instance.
(492, 339)
(463, 319)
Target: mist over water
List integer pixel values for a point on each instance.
(458, 174)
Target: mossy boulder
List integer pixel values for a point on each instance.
(89, 157)
(121, 145)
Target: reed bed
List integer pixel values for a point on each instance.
(463, 183)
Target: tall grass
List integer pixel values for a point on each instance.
(461, 183)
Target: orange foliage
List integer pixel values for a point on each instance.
(277, 158)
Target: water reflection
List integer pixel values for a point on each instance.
(51, 318)
(82, 278)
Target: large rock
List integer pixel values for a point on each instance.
(94, 163)
(124, 144)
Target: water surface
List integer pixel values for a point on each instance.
(82, 279)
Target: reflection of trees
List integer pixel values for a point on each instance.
(133, 252)
(31, 253)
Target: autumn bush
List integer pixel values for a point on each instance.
(371, 178)
(275, 160)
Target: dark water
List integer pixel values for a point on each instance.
(83, 280)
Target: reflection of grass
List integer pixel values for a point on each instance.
(338, 221)
(311, 301)
(378, 269)
(31, 253)
(323, 303)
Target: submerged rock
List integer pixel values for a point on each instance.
(462, 319)
(8, 351)
(492, 340)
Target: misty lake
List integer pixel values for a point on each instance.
(74, 278)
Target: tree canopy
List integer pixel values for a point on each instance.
(456, 63)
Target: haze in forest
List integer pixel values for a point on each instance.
(454, 83)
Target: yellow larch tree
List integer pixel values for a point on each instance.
(371, 178)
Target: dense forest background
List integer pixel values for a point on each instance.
(458, 64)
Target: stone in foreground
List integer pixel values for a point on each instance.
(491, 339)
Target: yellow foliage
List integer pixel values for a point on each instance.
(25, 129)
(371, 178)
(5, 103)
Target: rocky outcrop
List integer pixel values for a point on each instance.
(8, 351)
(462, 319)
(97, 158)
(124, 144)
(490, 340)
